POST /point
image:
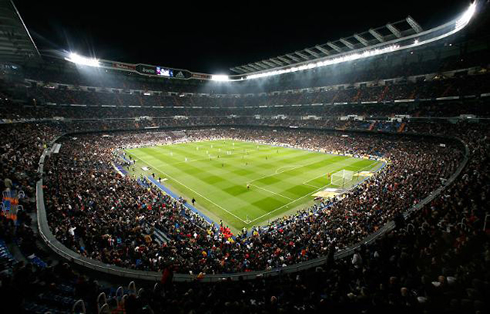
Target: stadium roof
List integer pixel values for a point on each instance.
(371, 37)
(16, 44)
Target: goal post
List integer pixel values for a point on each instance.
(343, 178)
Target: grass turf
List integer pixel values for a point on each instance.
(216, 173)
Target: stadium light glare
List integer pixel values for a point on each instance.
(466, 17)
(345, 58)
(220, 78)
(77, 59)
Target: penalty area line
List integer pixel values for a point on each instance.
(272, 192)
(285, 205)
(197, 193)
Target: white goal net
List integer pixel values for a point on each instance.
(343, 178)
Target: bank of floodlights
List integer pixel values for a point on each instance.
(459, 24)
(220, 78)
(77, 59)
(466, 17)
(348, 57)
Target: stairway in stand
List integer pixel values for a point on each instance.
(402, 127)
(382, 96)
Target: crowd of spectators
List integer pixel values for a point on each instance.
(21, 146)
(403, 90)
(435, 262)
(29, 283)
(402, 270)
(462, 97)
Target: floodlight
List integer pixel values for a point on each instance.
(75, 58)
(220, 78)
(466, 17)
(345, 58)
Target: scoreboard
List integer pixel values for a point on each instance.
(164, 72)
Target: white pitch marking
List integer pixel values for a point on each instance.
(272, 192)
(204, 197)
(288, 203)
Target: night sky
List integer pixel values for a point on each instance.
(211, 37)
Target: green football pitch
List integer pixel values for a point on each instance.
(216, 174)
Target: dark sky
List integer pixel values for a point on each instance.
(211, 37)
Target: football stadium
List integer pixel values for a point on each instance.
(340, 172)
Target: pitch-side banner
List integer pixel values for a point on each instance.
(124, 66)
(146, 69)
